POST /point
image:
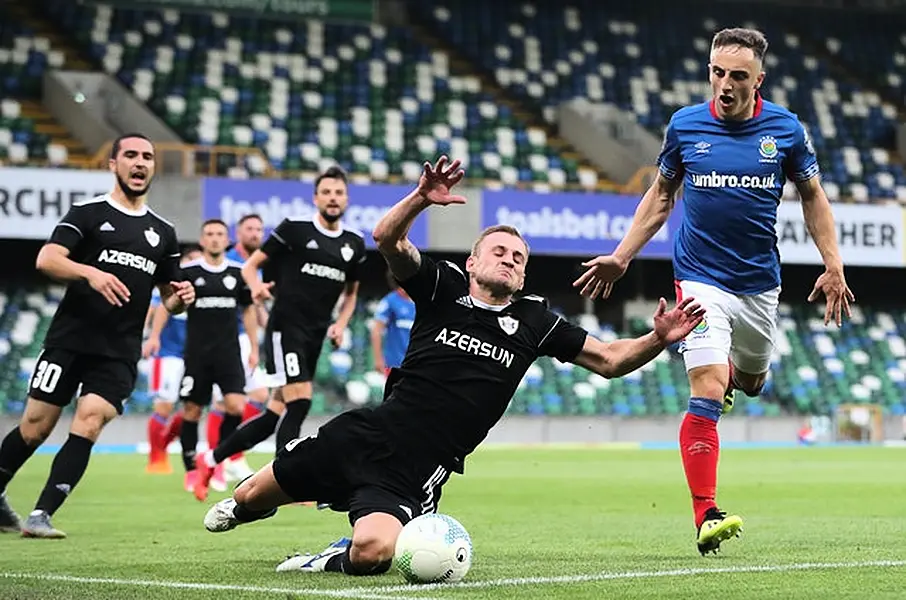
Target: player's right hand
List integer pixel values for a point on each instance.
(151, 347)
(601, 273)
(262, 293)
(436, 182)
(109, 286)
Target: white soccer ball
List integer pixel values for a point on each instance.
(433, 548)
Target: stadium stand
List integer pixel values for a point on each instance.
(815, 368)
(651, 59)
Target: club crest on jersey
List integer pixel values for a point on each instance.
(767, 147)
(508, 324)
(229, 282)
(701, 327)
(347, 252)
(152, 237)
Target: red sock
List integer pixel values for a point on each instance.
(173, 430)
(215, 418)
(700, 449)
(251, 411)
(156, 428)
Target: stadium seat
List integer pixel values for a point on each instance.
(650, 59)
(369, 97)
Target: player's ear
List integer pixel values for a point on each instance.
(470, 264)
(111, 165)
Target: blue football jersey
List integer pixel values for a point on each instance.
(397, 313)
(733, 175)
(173, 335)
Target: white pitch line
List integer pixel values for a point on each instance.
(363, 594)
(518, 581)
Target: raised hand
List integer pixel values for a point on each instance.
(832, 284)
(674, 325)
(109, 286)
(436, 182)
(598, 279)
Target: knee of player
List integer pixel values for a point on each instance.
(370, 551)
(35, 429)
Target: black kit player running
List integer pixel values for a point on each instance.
(313, 261)
(471, 344)
(113, 250)
(212, 354)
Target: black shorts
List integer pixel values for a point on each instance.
(354, 466)
(200, 377)
(60, 374)
(291, 353)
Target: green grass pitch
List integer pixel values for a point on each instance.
(546, 524)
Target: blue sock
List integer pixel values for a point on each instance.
(707, 408)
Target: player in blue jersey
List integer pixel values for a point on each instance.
(731, 155)
(249, 234)
(390, 328)
(163, 349)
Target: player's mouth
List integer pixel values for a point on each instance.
(726, 100)
(138, 178)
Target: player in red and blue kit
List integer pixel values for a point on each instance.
(732, 156)
(164, 348)
(390, 328)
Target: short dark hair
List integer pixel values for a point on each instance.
(752, 39)
(476, 247)
(250, 216)
(115, 149)
(334, 172)
(214, 222)
(189, 249)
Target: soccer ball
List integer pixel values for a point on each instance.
(433, 549)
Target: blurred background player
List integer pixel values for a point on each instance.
(249, 233)
(212, 356)
(164, 348)
(725, 252)
(315, 261)
(393, 319)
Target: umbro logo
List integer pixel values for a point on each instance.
(464, 301)
(107, 226)
(312, 245)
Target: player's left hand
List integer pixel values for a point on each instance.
(335, 334)
(184, 290)
(674, 325)
(832, 284)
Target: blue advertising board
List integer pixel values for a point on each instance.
(574, 223)
(277, 199)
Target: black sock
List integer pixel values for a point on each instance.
(291, 426)
(247, 435)
(188, 438)
(13, 454)
(342, 563)
(246, 515)
(68, 467)
(229, 424)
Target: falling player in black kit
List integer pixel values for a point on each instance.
(212, 355)
(315, 261)
(472, 342)
(112, 250)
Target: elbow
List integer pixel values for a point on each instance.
(42, 263)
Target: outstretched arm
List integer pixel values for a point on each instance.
(391, 232)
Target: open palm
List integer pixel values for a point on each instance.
(674, 325)
(436, 182)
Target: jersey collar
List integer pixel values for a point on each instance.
(486, 306)
(759, 104)
(132, 213)
(328, 232)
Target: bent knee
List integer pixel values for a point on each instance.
(371, 551)
(751, 385)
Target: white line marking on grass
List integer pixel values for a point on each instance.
(518, 581)
(302, 592)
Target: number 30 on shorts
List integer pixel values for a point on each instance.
(47, 376)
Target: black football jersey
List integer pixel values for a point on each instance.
(465, 360)
(212, 325)
(139, 247)
(311, 266)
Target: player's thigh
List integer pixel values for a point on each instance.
(108, 378)
(56, 377)
(229, 377)
(311, 469)
(292, 356)
(197, 384)
(403, 484)
(709, 342)
(170, 371)
(754, 332)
